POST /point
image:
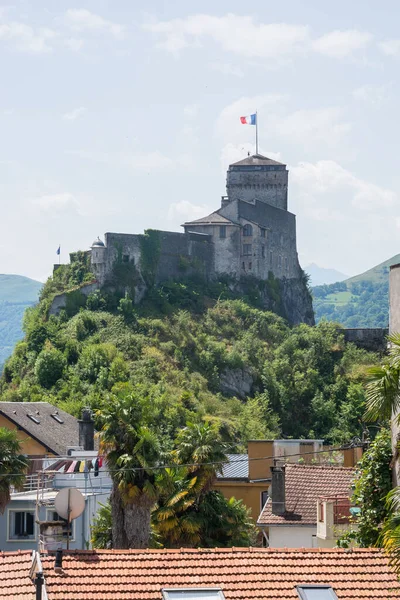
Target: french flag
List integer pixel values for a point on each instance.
(250, 120)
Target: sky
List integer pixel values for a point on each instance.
(115, 118)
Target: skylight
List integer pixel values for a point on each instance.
(193, 594)
(34, 419)
(316, 592)
(57, 418)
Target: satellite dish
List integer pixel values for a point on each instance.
(69, 503)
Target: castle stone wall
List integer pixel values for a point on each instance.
(263, 184)
(372, 339)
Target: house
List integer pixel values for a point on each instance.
(212, 574)
(30, 519)
(247, 477)
(45, 430)
(290, 516)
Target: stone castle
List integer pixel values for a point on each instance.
(253, 233)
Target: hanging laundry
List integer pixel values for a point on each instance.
(77, 466)
(82, 466)
(72, 466)
(96, 468)
(100, 462)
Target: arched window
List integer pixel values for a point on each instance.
(247, 230)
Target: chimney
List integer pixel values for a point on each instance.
(278, 490)
(86, 430)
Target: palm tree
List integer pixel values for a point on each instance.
(132, 452)
(382, 391)
(13, 465)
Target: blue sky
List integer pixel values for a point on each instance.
(113, 118)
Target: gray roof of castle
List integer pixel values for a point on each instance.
(213, 219)
(256, 160)
(261, 213)
(49, 432)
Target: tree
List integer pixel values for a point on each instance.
(188, 511)
(133, 450)
(383, 398)
(13, 465)
(102, 528)
(49, 367)
(372, 484)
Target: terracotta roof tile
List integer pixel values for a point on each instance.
(14, 576)
(304, 484)
(242, 573)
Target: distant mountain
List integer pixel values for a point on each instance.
(378, 274)
(320, 275)
(16, 294)
(360, 301)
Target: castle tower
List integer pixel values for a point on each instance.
(257, 178)
(98, 259)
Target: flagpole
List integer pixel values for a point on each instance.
(256, 132)
(59, 254)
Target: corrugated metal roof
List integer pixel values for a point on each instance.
(236, 468)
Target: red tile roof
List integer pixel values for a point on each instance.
(14, 576)
(304, 484)
(242, 573)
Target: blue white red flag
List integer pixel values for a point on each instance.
(250, 120)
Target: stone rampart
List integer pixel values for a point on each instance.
(373, 339)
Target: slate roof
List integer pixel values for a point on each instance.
(53, 435)
(264, 214)
(236, 468)
(242, 573)
(15, 583)
(213, 219)
(304, 484)
(256, 160)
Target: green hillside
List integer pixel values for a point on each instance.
(360, 301)
(191, 350)
(16, 294)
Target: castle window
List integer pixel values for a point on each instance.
(281, 239)
(247, 249)
(271, 258)
(279, 261)
(247, 230)
(250, 266)
(263, 251)
(263, 232)
(243, 266)
(286, 263)
(125, 258)
(222, 232)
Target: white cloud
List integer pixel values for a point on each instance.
(244, 36)
(227, 69)
(156, 161)
(80, 19)
(311, 125)
(390, 47)
(74, 114)
(74, 44)
(191, 110)
(186, 211)
(238, 34)
(26, 39)
(374, 95)
(311, 128)
(340, 44)
(326, 190)
(55, 202)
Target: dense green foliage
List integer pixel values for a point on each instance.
(13, 465)
(357, 304)
(372, 483)
(179, 349)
